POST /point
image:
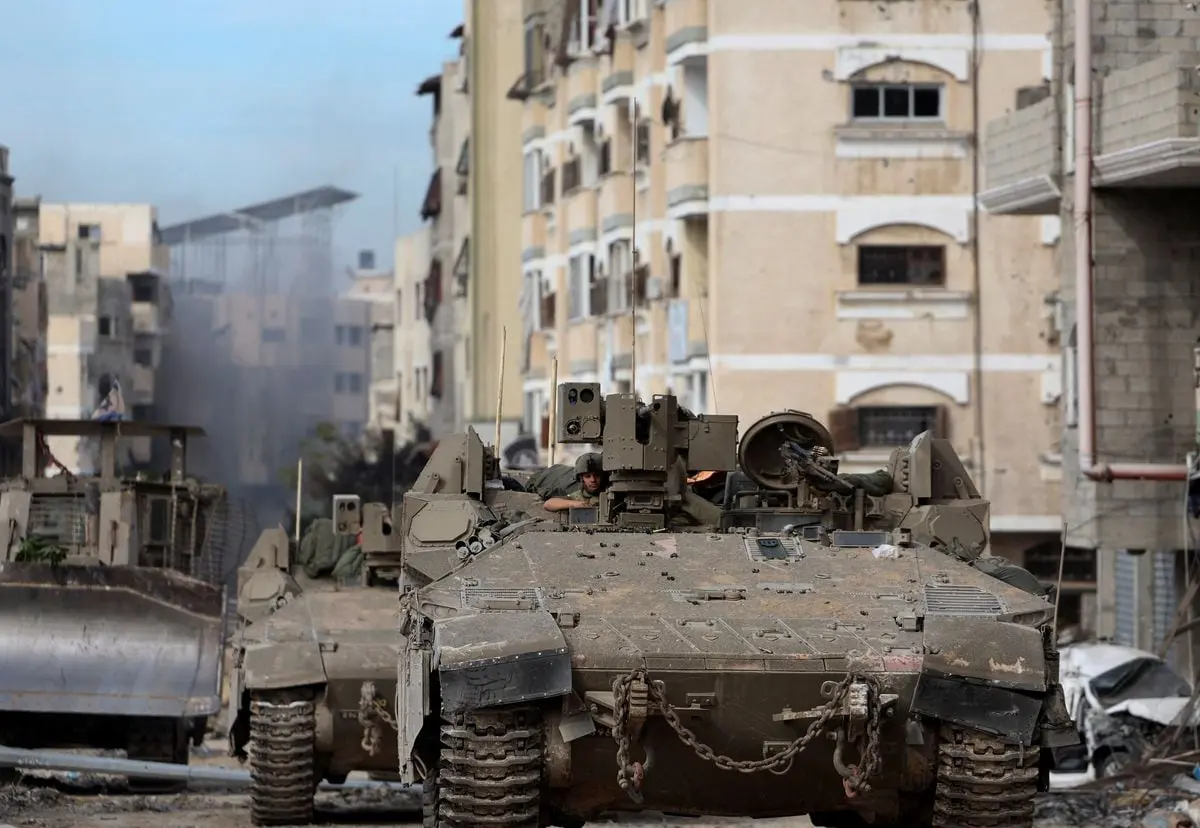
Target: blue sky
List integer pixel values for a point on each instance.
(200, 106)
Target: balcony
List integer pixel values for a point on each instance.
(1022, 169)
(687, 177)
(533, 120)
(581, 216)
(1147, 134)
(582, 347)
(616, 71)
(581, 90)
(533, 236)
(686, 29)
(615, 202)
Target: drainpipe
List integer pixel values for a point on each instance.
(1084, 277)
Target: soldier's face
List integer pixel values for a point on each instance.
(591, 482)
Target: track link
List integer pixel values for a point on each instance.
(490, 771)
(982, 782)
(282, 733)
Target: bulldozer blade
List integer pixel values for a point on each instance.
(118, 641)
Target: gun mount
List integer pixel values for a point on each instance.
(648, 451)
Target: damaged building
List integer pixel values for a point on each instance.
(1109, 150)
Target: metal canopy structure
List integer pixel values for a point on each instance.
(321, 198)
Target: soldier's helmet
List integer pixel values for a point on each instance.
(589, 463)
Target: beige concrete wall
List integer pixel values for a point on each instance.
(128, 234)
(413, 353)
(751, 213)
(495, 52)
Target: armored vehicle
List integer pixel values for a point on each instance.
(813, 643)
(112, 598)
(314, 657)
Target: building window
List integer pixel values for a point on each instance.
(90, 232)
(348, 382)
(274, 335)
(534, 56)
(349, 335)
(533, 180)
(620, 274)
(583, 39)
(547, 302)
(143, 350)
(642, 144)
(105, 326)
(887, 264)
(896, 102)
(884, 426)
(581, 276)
(142, 413)
(437, 384)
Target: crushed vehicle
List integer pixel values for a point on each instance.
(1121, 700)
(112, 596)
(811, 643)
(314, 657)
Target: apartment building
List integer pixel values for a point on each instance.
(441, 297)
(472, 207)
(108, 306)
(260, 372)
(695, 222)
(8, 455)
(1129, 301)
(29, 377)
(376, 289)
(413, 339)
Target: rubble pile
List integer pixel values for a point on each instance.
(1119, 807)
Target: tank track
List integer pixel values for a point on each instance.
(282, 784)
(982, 782)
(490, 771)
(157, 740)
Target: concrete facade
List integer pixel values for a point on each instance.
(30, 313)
(472, 207)
(412, 335)
(376, 289)
(1146, 151)
(108, 307)
(803, 244)
(8, 450)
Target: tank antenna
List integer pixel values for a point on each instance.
(553, 419)
(299, 490)
(635, 253)
(500, 389)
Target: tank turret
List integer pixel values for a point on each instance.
(648, 451)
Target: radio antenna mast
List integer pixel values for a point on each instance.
(635, 253)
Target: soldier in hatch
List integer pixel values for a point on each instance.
(589, 471)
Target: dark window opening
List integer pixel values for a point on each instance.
(105, 326)
(896, 101)
(901, 265)
(890, 426)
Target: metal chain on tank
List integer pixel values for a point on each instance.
(630, 774)
(871, 759)
(372, 710)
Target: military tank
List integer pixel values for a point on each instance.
(314, 657)
(812, 643)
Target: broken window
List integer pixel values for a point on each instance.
(887, 264)
(896, 102)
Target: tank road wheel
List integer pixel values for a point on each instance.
(982, 782)
(157, 740)
(282, 761)
(490, 771)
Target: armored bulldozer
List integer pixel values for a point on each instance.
(314, 658)
(112, 598)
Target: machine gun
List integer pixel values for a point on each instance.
(648, 451)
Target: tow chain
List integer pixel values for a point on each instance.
(630, 774)
(372, 710)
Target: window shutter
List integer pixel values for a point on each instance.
(545, 431)
(843, 427)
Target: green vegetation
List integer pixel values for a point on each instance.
(40, 549)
